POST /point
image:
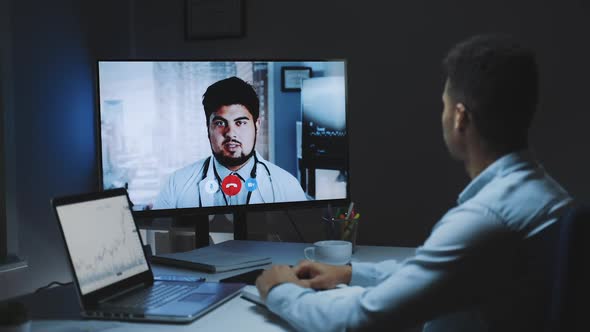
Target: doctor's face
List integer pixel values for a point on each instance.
(232, 134)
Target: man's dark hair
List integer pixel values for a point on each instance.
(230, 91)
(497, 81)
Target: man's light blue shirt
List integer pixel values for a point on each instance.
(479, 270)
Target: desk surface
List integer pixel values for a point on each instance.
(236, 314)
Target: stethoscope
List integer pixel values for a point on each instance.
(253, 174)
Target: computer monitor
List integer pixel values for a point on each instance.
(221, 136)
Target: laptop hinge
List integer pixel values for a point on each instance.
(123, 292)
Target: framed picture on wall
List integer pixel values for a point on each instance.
(291, 77)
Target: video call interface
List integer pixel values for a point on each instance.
(270, 132)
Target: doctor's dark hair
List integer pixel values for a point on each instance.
(496, 79)
(230, 91)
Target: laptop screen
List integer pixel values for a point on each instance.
(102, 241)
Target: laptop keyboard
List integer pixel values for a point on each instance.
(158, 295)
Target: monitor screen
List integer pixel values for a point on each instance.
(224, 134)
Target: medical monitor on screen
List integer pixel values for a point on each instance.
(221, 135)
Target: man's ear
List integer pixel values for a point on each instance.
(462, 117)
(257, 124)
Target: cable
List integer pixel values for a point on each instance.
(51, 284)
(294, 226)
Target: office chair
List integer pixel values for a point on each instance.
(572, 272)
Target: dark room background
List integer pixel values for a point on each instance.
(402, 178)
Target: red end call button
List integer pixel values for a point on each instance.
(231, 185)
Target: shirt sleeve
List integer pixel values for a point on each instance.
(165, 197)
(371, 274)
(285, 186)
(447, 272)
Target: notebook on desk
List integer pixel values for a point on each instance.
(112, 275)
(212, 260)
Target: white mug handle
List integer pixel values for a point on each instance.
(307, 250)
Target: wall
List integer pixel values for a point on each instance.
(402, 178)
(401, 175)
(7, 238)
(287, 111)
(53, 126)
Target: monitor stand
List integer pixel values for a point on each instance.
(200, 222)
(240, 225)
(201, 226)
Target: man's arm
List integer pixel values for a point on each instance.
(325, 276)
(449, 271)
(322, 276)
(371, 274)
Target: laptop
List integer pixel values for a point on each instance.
(112, 275)
(250, 293)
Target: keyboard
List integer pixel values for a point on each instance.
(158, 295)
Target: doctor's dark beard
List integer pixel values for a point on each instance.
(231, 161)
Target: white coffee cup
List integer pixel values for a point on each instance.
(333, 252)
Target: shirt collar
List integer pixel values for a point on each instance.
(243, 172)
(503, 165)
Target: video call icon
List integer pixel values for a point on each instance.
(231, 185)
(251, 184)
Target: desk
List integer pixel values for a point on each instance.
(57, 309)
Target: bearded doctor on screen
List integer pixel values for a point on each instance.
(235, 174)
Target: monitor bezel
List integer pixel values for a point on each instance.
(211, 210)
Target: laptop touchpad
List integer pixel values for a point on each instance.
(196, 297)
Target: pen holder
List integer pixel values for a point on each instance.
(341, 229)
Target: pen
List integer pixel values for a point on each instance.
(349, 209)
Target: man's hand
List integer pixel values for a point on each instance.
(276, 275)
(322, 276)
